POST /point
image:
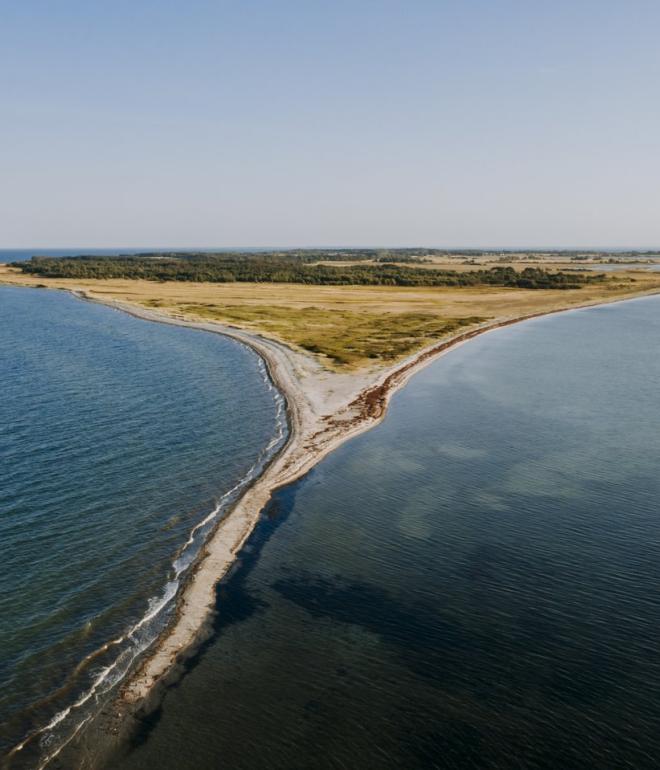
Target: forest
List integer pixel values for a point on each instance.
(298, 267)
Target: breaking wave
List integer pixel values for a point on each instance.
(102, 670)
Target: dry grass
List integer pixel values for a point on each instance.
(467, 265)
(348, 326)
(345, 338)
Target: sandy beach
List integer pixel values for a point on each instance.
(325, 409)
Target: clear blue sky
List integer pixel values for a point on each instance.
(328, 122)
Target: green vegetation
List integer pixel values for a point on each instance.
(346, 337)
(296, 267)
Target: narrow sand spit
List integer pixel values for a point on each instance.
(325, 409)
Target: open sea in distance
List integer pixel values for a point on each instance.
(21, 255)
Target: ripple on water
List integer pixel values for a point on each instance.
(122, 443)
(473, 584)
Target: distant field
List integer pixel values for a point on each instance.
(347, 327)
(460, 264)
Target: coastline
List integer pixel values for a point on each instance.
(354, 403)
(324, 409)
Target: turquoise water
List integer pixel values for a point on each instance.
(121, 443)
(473, 584)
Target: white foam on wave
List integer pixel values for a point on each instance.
(115, 671)
(142, 635)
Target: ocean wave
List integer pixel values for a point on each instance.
(48, 741)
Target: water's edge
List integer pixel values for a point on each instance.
(99, 737)
(173, 590)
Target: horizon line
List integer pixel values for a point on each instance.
(334, 246)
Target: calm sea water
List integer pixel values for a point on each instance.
(20, 255)
(473, 584)
(121, 443)
(653, 267)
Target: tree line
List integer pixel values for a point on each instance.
(277, 268)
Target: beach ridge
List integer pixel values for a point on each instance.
(325, 409)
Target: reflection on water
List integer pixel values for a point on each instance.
(473, 584)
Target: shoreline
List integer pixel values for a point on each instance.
(324, 409)
(312, 436)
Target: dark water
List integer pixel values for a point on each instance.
(473, 584)
(120, 444)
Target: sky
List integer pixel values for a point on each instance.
(475, 123)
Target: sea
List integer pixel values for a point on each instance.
(122, 444)
(475, 583)
(617, 266)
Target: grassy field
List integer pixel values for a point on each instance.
(463, 264)
(347, 327)
(344, 337)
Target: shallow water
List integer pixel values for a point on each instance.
(653, 266)
(473, 584)
(120, 441)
